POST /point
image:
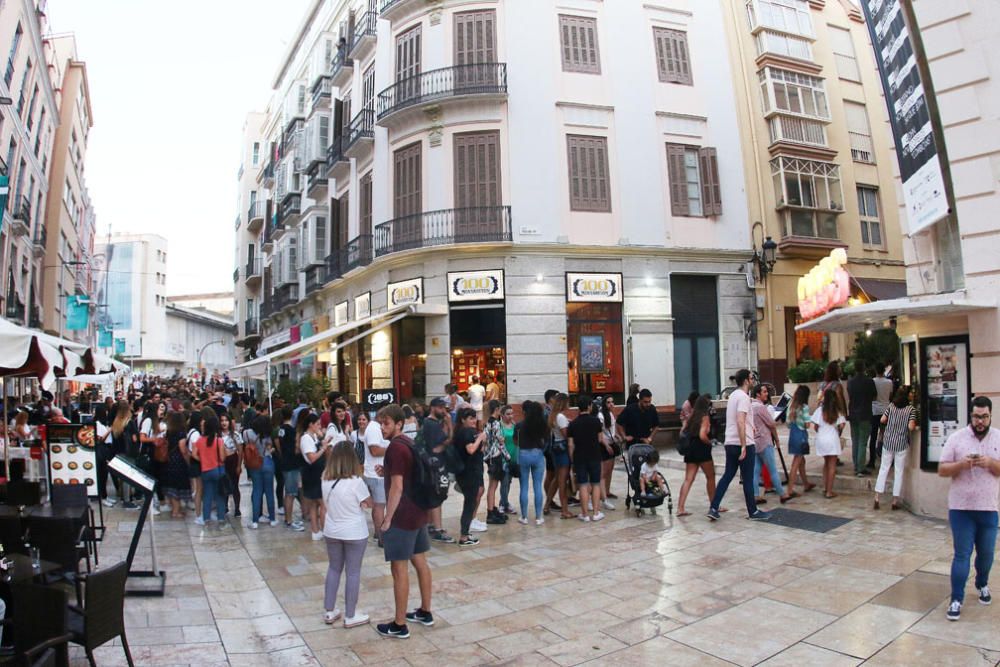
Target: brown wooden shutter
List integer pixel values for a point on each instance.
(673, 61)
(346, 114)
(677, 175)
(407, 228)
(338, 119)
(589, 181)
(366, 205)
(578, 42)
(711, 191)
(408, 64)
(475, 44)
(477, 185)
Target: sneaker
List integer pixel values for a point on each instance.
(442, 536)
(583, 517)
(495, 519)
(509, 510)
(392, 630)
(129, 505)
(539, 521)
(198, 521)
(607, 505)
(598, 516)
(154, 510)
(237, 514)
(760, 515)
(468, 542)
(713, 514)
(571, 501)
(165, 507)
(329, 617)
(296, 526)
(954, 611)
(281, 511)
(108, 502)
(478, 526)
(356, 620)
(984, 595)
(316, 537)
(420, 616)
(253, 525)
(274, 522)
(523, 520)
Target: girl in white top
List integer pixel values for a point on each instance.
(607, 416)
(375, 446)
(152, 427)
(829, 424)
(232, 443)
(410, 425)
(345, 529)
(339, 429)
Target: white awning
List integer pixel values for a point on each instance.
(871, 315)
(303, 348)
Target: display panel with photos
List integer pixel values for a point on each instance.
(72, 456)
(946, 382)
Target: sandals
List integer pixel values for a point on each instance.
(829, 496)
(683, 513)
(567, 516)
(808, 487)
(875, 505)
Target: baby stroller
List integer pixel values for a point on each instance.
(633, 458)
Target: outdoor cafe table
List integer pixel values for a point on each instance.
(21, 570)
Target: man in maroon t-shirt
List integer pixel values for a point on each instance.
(404, 529)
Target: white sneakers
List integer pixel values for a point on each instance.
(316, 537)
(108, 502)
(598, 516)
(477, 526)
(523, 520)
(540, 521)
(330, 617)
(356, 620)
(154, 510)
(606, 504)
(274, 522)
(199, 521)
(252, 525)
(584, 517)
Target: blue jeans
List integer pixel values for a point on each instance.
(746, 474)
(768, 459)
(263, 487)
(210, 494)
(970, 528)
(532, 462)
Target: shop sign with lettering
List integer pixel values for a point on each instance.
(340, 314)
(276, 339)
(372, 398)
(405, 292)
(475, 285)
(363, 306)
(594, 287)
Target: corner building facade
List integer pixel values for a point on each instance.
(547, 193)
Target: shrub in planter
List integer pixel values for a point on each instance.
(807, 371)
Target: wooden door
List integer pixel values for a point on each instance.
(477, 187)
(407, 231)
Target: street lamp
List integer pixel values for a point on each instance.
(765, 256)
(212, 342)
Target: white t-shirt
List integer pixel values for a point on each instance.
(739, 401)
(307, 445)
(609, 431)
(647, 471)
(373, 436)
(827, 436)
(345, 520)
(562, 422)
(335, 434)
(476, 394)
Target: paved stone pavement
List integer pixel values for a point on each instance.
(626, 591)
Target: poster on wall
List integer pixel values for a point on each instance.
(946, 401)
(72, 457)
(592, 354)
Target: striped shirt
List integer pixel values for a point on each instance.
(897, 432)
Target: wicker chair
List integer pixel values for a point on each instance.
(76, 496)
(39, 626)
(102, 617)
(60, 541)
(12, 534)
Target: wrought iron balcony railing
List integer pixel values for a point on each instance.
(444, 83)
(362, 127)
(481, 224)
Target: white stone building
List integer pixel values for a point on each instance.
(551, 193)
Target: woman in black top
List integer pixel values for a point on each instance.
(699, 455)
(530, 435)
(178, 480)
(469, 443)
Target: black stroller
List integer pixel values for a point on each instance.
(634, 457)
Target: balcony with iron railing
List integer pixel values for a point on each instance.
(321, 92)
(439, 86)
(358, 252)
(398, 10)
(8, 74)
(267, 307)
(862, 149)
(341, 67)
(39, 240)
(285, 296)
(315, 278)
(360, 134)
(799, 132)
(291, 206)
(481, 224)
(251, 327)
(363, 39)
(272, 230)
(20, 216)
(337, 162)
(15, 310)
(236, 274)
(34, 317)
(316, 180)
(266, 175)
(255, 216)
(252, 275)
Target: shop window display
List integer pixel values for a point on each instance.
(595, 353)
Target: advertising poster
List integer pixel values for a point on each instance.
(947, 394)
(72, 457)
(592, 354)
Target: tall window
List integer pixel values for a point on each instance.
(791, 16)
(844, 55)
(578, 42)
(809, 194)
(24, 83)
(871, 223)
(780, 44)
(14, 44)
(365, 186)
(672, 61)
(693, 173)
(256, 153)
(859, 132)
(792, 92)
(589, 182)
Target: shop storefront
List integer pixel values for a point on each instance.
(477, 327)
(594, 334)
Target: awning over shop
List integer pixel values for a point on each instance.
(258, 367)
(858, 318)
(880, 290)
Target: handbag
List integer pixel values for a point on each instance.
(251, 457)
(684, 443)
(797, 436)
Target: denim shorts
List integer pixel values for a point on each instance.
(560, 459)
(400, 544)
(292, 481)
(587, 472)
(376, 487)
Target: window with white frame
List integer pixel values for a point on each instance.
(794, 93)
(809, 194)
(780, 44)
(693, 174)
(256, 153)
(844, 55)
(871, 223)
(859, 132)
(790, 16)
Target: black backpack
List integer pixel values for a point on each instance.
(429, 482)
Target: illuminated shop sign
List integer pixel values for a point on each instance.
(405, 292)
(594, 287)
(475, 286)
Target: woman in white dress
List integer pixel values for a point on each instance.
(829, 425)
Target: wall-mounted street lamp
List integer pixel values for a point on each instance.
(764, 256)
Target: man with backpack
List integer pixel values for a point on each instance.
(436, 436)
(404, 528)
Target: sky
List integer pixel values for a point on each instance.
(171, 83)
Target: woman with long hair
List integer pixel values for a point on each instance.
(530, 435)
(211, 454)
(178, 490)
(258, 436)
(699, 455)
(558, 423)
(124, 441)
(687, 409)
(345, 529)
(829, 423)
(358, 436)
(314, 446)
(194, 427)
(232, 441)
(899, 420)
(339, 429)
(831, 381)
(633, 394)
(507, 427)
(798, 420)
(612, 449)
(497, 459)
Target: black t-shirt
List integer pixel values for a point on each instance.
(433, 432)
(473, 462)
(289, 459)
(639, 423)
(585, 430)
(861, 392)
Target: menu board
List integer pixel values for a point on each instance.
(946, 368)
(72, 457)
(127, 468)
